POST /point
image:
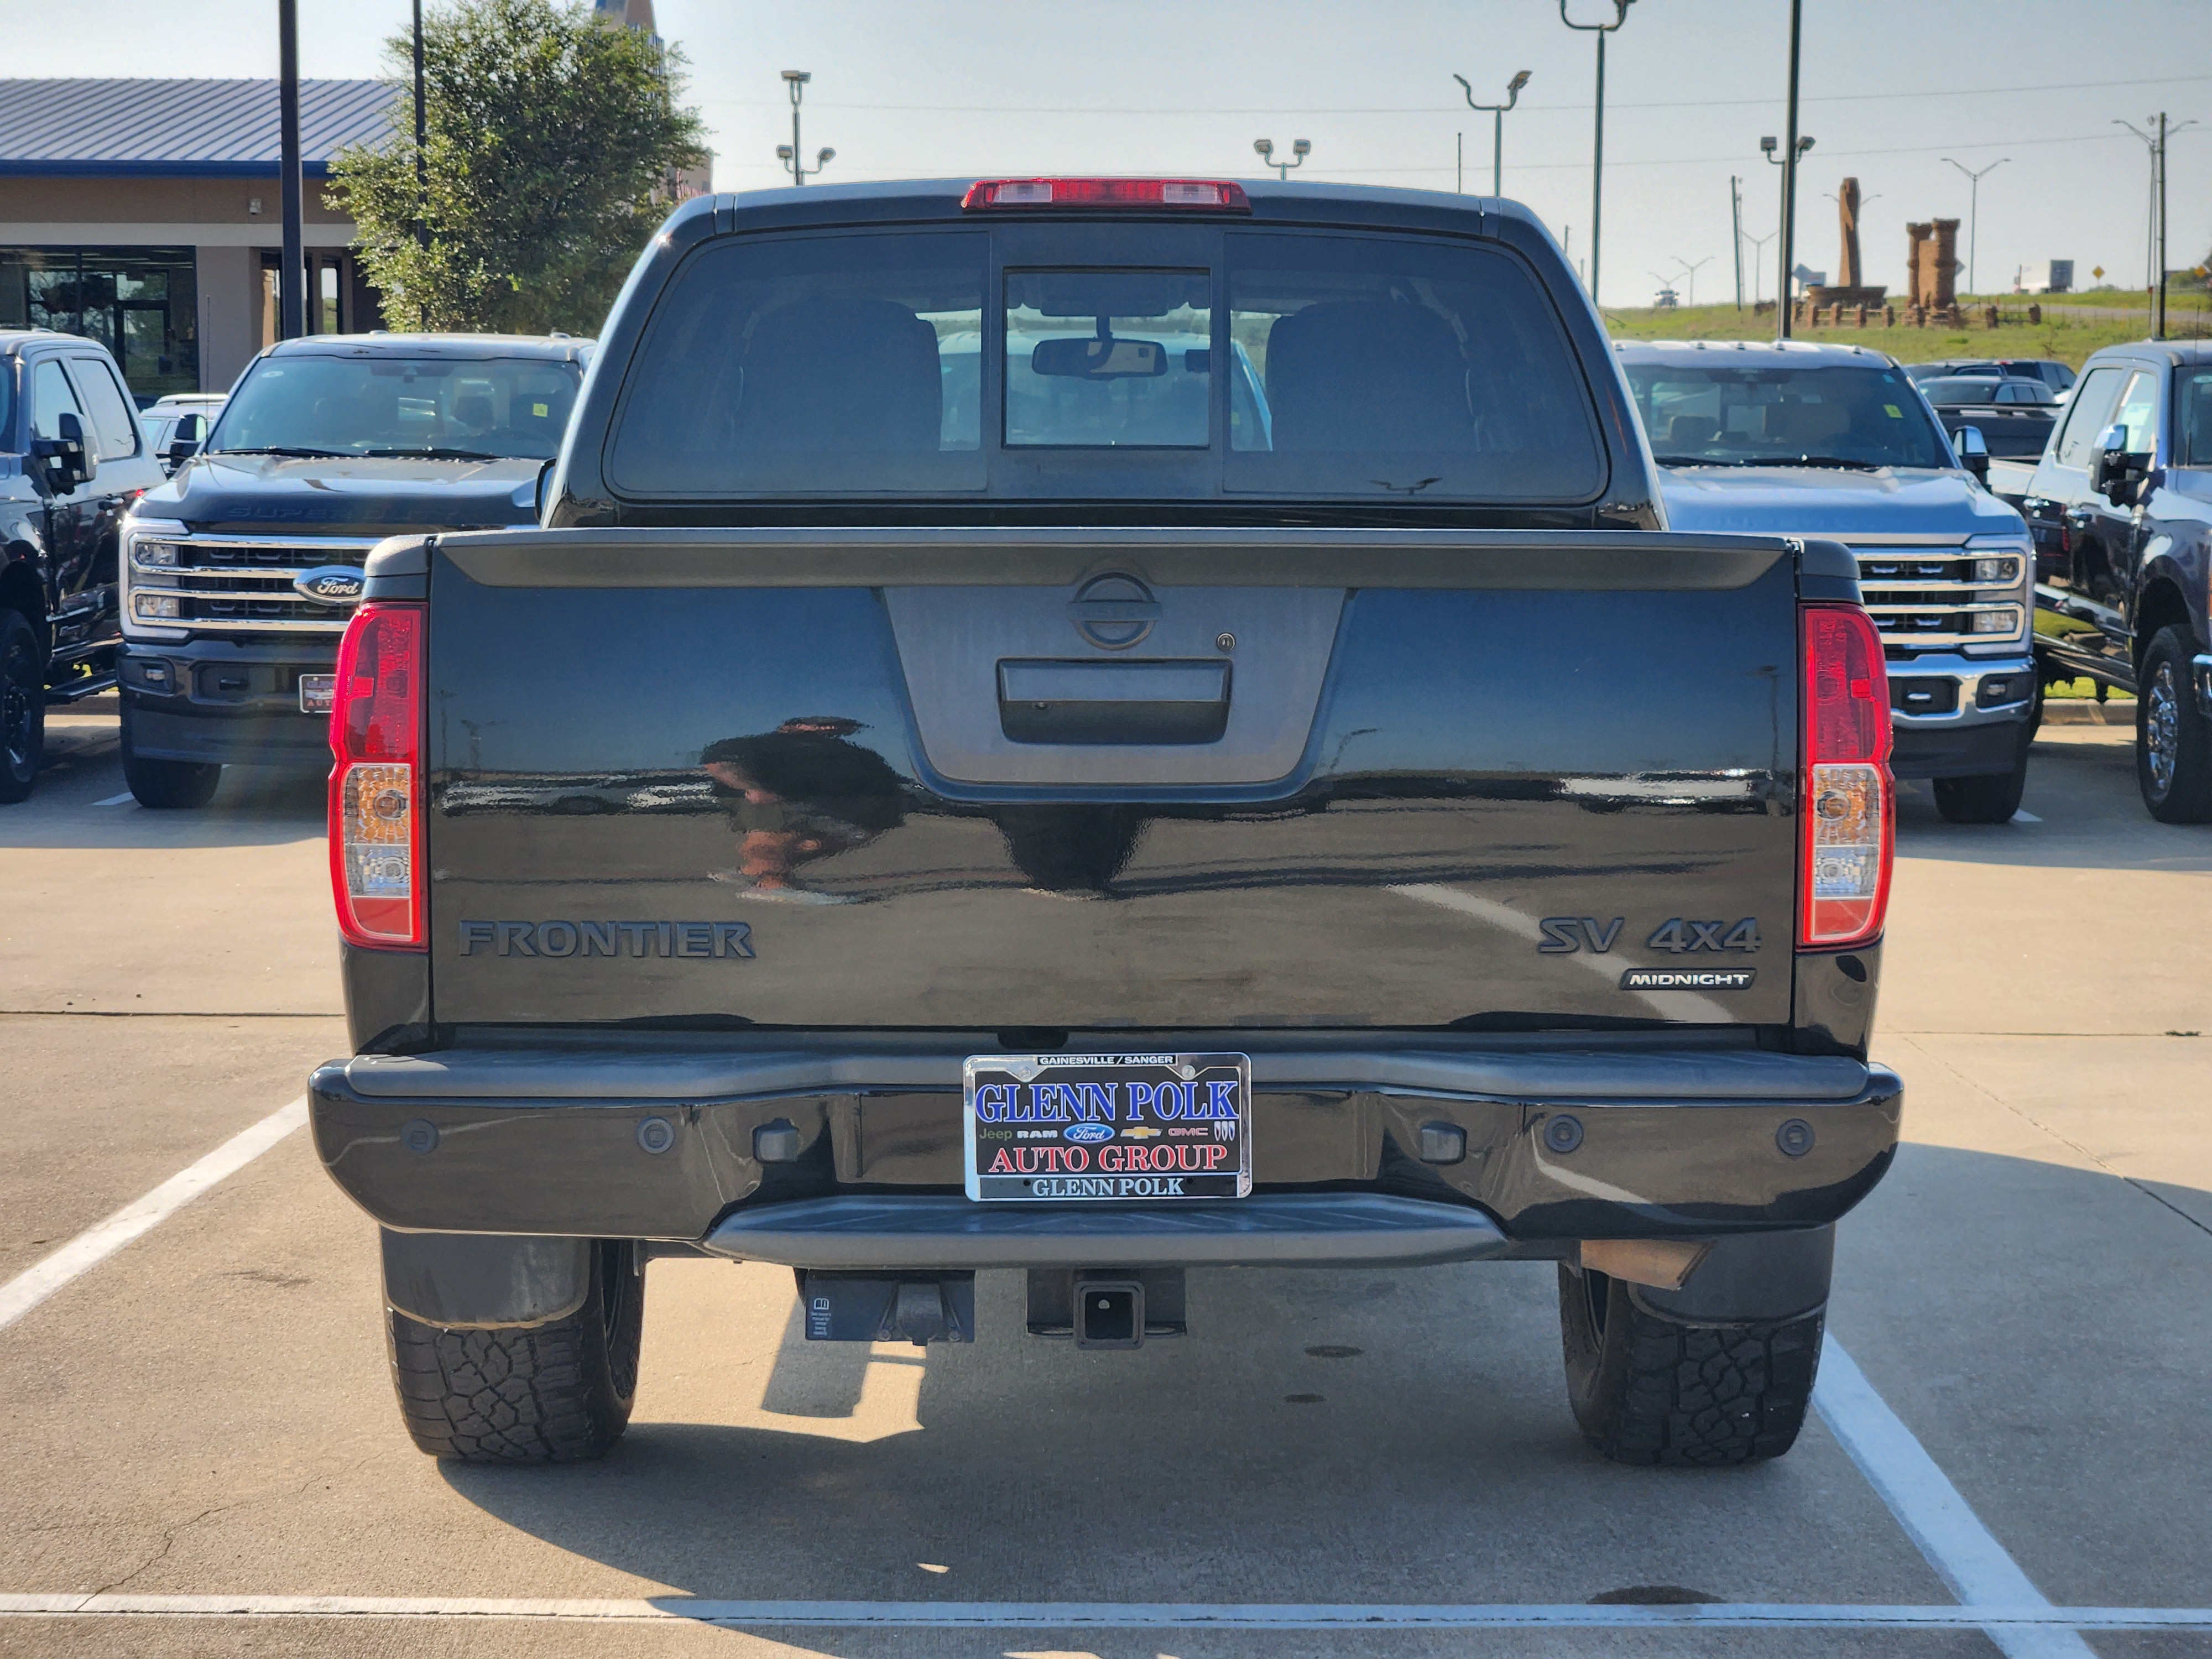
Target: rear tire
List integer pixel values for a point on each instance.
(163, 784)
(23, 707)
(2173, 747)
(1649, 1389)
(556, 1393)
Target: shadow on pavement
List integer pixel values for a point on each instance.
(1435, 1461)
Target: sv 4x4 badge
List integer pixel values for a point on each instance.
(1674, 935)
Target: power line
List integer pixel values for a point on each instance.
(1446, 109)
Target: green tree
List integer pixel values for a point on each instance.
(552, 141)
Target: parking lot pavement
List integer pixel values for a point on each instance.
(204, 1414)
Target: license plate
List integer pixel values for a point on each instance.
(317, 693)
(1085, 1128)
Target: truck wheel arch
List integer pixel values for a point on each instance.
(2161, 606)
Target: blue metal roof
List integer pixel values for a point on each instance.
(179, 129)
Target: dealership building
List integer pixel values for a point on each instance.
(146, 214)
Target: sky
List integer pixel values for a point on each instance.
(915, 88)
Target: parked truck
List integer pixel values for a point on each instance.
(1098, 728)
(239, 572)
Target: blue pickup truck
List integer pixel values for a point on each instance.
(1799, 439)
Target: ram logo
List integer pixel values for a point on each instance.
(329, 584)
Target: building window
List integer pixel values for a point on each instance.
(142, 304)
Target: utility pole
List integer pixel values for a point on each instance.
(1459, 164)
(1690, 271)
(1789, 156)
(2154, 258)
(1300, 149)
(291, 289)
(1974, 210)
(1766, 148)
(422, 139)
(790, 154)
(1597, 147)
(1498, 116)
(1736, 233)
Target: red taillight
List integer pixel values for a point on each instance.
(376, 779)
(1849, 797)
(1217, 194)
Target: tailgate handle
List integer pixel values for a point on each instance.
(1113, 703)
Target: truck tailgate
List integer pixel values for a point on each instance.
(1126, 778)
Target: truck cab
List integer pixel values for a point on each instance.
(72, 462)
(241, 569)
(2121, 508)
(1796, 438)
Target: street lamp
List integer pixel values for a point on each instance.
(1974, 209)
(1498, 128)
(1300, 149)
(789, 154)
(1597, 149)
(1766, 148)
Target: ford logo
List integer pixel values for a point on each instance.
(329, 584)
(1088, 1131)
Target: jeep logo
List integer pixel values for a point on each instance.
(329, 584)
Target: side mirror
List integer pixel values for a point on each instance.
(184, 442)
(66, 459)
(1973, 451)
(2114, 472)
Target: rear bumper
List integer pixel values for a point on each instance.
(1667, 1141)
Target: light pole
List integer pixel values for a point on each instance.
(1787, 163)
(1300, 149)
(1974, 209)
(1690, 271)
(1736, 233)
(291, 291)
(422, 137)
(1758, 247)
(1597, 145)
(1497, 123)
(791, 154)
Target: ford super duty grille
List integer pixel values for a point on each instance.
(243, 584)
(1922, 596)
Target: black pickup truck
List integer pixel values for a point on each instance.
(1104, 727)
(239, 573)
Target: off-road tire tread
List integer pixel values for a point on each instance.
(1696, 1396)
(557, 1393)
(12, 787)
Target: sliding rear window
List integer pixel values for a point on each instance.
(1395, 367)
(820, 364)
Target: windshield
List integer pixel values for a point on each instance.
(486, 408)
(1955, 391)
(1762, 417)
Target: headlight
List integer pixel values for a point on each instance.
(1996, 572)
(2005, 619)
(151, 554)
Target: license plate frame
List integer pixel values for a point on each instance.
(1185, 1106)
(319, 693)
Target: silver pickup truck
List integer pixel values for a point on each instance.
(1795, 439)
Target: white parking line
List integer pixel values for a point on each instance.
(1965, 1554)
(2020, 815)
(95, 1244)
(123, 799)
(2031, 1621)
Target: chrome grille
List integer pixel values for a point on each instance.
(1923, 596)
(243, 584)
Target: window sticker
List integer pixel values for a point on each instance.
(1893, 412)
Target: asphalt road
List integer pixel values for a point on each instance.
(203, 1414)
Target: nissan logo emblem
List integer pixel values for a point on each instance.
(1114, 611)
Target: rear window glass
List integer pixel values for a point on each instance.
(844, 364)
(1109, 359)
(1395, 368)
